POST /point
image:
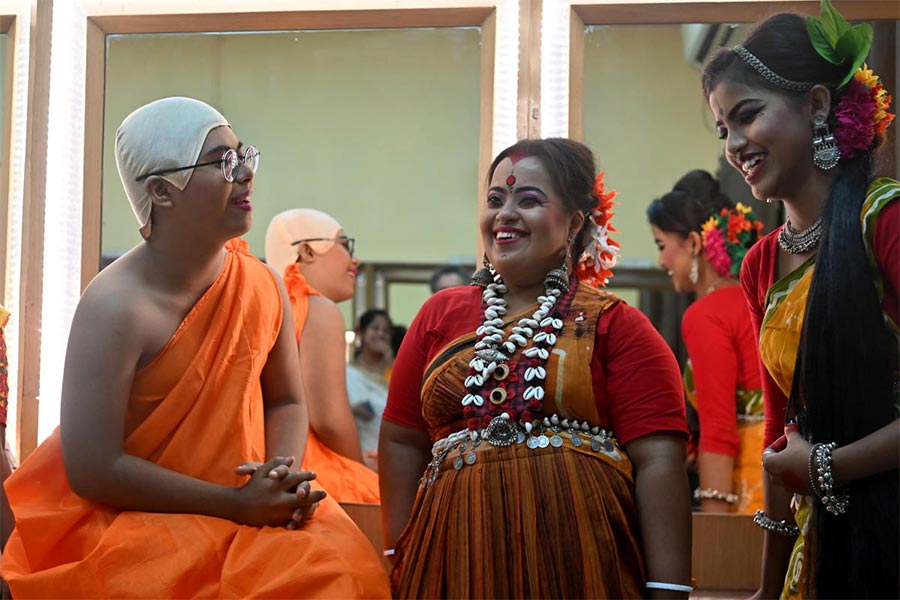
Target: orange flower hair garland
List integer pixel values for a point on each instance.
(727, 236)
(601, 252)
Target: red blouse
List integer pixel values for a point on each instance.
(720, 343)
(636, 381)
(758, 275)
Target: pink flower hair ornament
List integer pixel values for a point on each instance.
(861, 113)
(601, 253)
(727, 236)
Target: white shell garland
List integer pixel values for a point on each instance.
(491, 349)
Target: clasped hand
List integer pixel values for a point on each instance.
(787, 461)
(276, 496)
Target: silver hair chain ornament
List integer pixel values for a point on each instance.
(826, 154)
(770, 75)
(799, 242)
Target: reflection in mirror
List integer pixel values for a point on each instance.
(379, 128)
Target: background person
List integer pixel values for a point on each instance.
(368, 375)
(702, 239)
(315, 257)
(448, 276)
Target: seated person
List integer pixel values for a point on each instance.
(179, 384)
(368, 375)
(314, 256)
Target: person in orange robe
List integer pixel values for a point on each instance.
(316, 259)
(177, 386)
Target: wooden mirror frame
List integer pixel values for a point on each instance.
(8, 25)
(638, 12)
(369, 16)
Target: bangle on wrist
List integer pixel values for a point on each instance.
(835, 502)
(780, 527)
(711, 494)
(672, 587)
(389, 552)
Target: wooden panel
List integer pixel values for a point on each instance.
(94, 102)
(33, 229)
(726, 551)
(7, 25)
(486, 134)
(368, 518)
(656, 11)
(287, 20)
(528, 114)
(576, 77)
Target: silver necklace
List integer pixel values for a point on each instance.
(799, 242)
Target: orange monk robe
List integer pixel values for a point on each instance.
(197, 409)
(343, 478)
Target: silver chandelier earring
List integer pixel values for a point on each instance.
(825, 151)
(559, 278)
(695, 270)
(484, 276)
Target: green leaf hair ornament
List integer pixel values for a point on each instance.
(837, 42)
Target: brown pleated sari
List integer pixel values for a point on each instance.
(542, 523)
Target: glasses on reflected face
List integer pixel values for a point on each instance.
(346, 242)
(229, 162)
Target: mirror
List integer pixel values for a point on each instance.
(379, 128)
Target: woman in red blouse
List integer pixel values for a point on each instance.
(702, 238)
(547, 416)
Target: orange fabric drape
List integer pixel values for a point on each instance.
(343, 478)
(196, 409)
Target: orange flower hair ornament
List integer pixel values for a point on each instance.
(601, 252)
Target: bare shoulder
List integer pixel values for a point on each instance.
(117, 309)
(324, 316)
(115, 297)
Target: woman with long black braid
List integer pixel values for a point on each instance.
(802, 116)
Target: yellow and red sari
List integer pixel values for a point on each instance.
(779, 341)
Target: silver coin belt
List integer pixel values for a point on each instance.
(536, 435)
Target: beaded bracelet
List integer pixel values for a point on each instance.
(672, 587)
(835, 502)
(711, 494)
(813, 482)
(781, 527)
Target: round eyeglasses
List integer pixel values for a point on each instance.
(229, 161)
(346, 242)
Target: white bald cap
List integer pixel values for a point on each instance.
(293, 225)
(165, 134)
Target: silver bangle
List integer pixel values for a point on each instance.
(780, 527)
(673, 587)
(711, 494)
(389, 552)
(835, 502)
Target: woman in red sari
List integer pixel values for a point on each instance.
(702, 238)
(533, 442)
